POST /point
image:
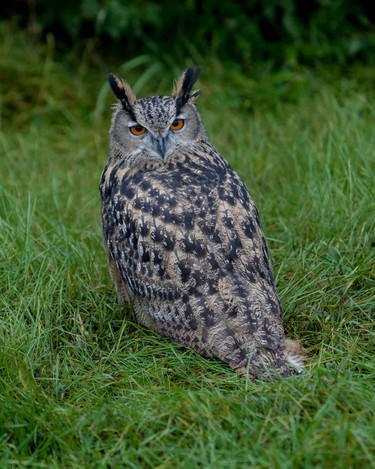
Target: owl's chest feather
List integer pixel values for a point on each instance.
(168, 188)
(201, 210)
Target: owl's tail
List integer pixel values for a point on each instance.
(294, 354)
(264, 363)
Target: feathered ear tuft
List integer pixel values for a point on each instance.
(185, 83)
(124, 93)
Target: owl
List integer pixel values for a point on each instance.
(183, 237)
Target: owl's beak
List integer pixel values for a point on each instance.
(161, 146)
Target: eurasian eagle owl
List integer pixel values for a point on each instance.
(183, 236)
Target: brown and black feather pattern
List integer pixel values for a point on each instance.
(185, 244)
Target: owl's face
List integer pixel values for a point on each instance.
(155, 126)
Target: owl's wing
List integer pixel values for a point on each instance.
(243, 256)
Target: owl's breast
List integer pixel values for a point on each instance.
(193, 216)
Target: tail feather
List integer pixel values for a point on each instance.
(294, 354)
(264, 363)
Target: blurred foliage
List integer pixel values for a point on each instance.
(38, 85)
(278, 31)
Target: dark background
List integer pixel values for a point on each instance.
(243, 33)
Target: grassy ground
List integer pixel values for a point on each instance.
(82, 385)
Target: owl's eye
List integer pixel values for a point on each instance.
(137, 129)
(177, 124)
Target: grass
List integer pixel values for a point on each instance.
(82, 385)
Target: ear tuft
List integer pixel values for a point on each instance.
(123, 93)
(184, 85)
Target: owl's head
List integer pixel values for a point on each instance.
(157, 125)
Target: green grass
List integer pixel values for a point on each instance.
(82, 385)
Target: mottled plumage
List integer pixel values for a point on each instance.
(183, 235)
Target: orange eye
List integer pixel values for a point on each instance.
(177, 124)
(137, 129)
